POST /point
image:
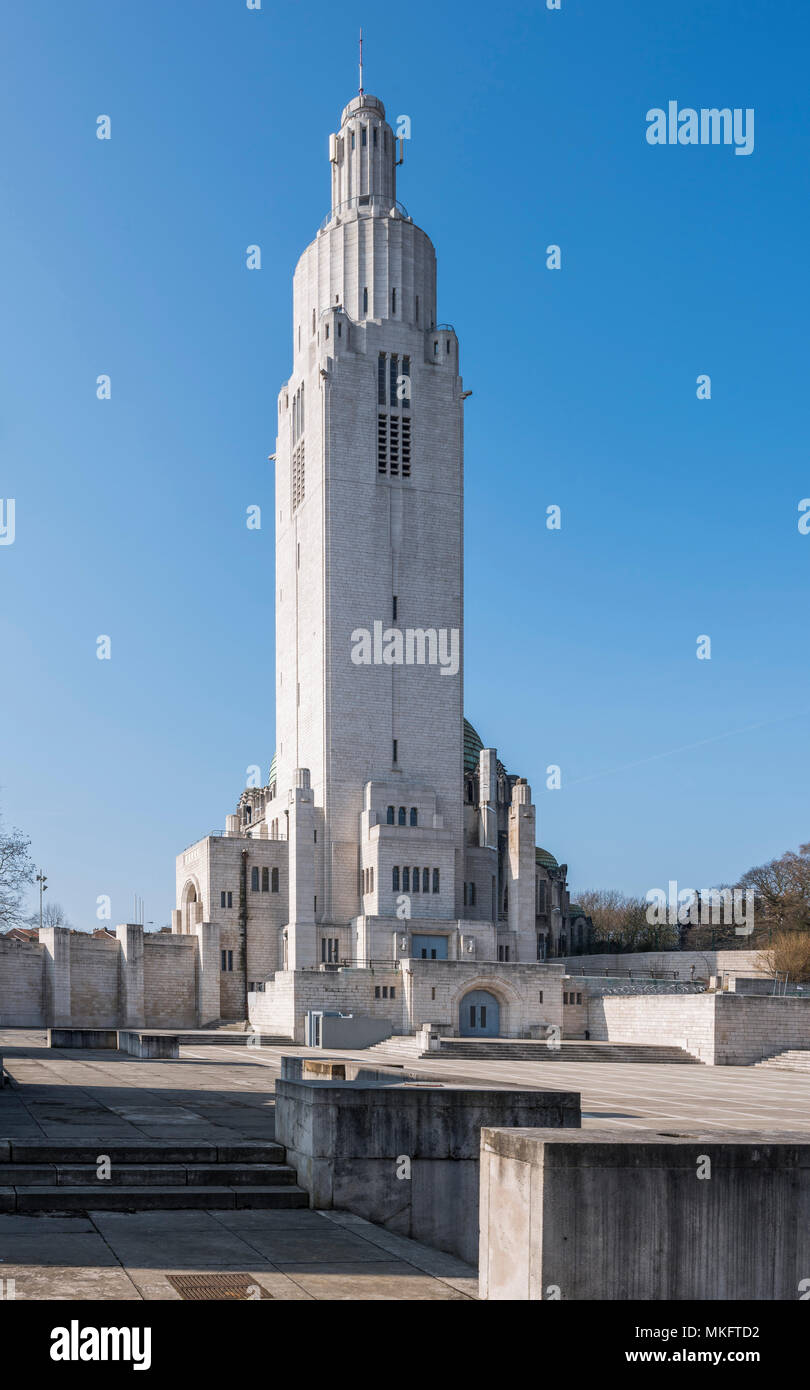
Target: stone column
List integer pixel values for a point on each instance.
(301, 949)
(56, 941)
(521, 870)
(130, 975)
(208, 972)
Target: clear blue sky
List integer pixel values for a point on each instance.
(680, 516)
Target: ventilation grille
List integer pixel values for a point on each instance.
(394, 445)
(298, 478)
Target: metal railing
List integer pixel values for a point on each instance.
(362, 201)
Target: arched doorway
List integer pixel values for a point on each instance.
(479, 1015)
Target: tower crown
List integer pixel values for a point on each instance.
(363, 155)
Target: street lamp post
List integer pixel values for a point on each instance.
(43, 888)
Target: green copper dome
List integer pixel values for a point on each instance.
(271, 776)
(542, 856)
(472, 747)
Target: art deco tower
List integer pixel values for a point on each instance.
(369, 493)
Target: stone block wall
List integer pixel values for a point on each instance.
(94, 981)
(706, 963)
(21, 984)
(719, 1029)
(169, 982)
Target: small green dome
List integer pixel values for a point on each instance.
(271, 776)
(542, 856)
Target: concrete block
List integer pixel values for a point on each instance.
(152, 1046)
(612, 1215)
(403, 1155)
(96, 1039)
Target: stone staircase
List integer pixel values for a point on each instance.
(517, 1050)
(37, 1175)
(796, 1059)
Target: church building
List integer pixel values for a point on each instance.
(388, 868)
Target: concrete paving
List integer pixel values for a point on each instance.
(221, 1093)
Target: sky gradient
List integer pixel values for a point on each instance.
(679, 516)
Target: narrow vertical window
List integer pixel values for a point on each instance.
(389, 815)
(395, 878)
(393, 369)
(313, 320)
(414, 812)
(375, 137)
(406, 880)
(254, 880)
(396, 750)
(426, 880)
(402, 815)
(381, 379)
(417, 308)
(416, 880)
(363, 135)
(365, 299)
(274, 881)
(393, 301)
(394, 608)
(352, 139)
(435, 880)
(265, 880)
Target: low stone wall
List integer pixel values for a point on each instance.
(706, 963)
(720, 1029)
(405, 1156)
(612, 1215)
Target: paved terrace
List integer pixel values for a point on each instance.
(220, 1093)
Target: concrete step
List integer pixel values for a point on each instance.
(147, 1198)
(237, 1151)
(147, 1175)
(795, 1059)
(524, 1051)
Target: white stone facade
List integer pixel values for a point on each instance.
(400, 845)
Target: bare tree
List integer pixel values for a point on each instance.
(16, 872)
(53, 915)
(789, 955)
(620, 922)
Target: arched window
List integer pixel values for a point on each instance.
(395, 878)
(406, 880)
(254, 880)
(402, 815)
(266, 880)
(274, 881)
(435, 880)
(416, 880)
(389, 815)
(414, 816)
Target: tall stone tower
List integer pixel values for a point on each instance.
(369, 498)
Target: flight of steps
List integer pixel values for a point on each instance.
(516, 1050)
(38, 1175)
(794, 1060)
(405, 1046)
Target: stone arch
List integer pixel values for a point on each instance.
(509, 1001)
(190, 903)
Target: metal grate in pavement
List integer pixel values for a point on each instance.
(210, 1287)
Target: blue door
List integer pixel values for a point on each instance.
(429, 947)
(479, 1015)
